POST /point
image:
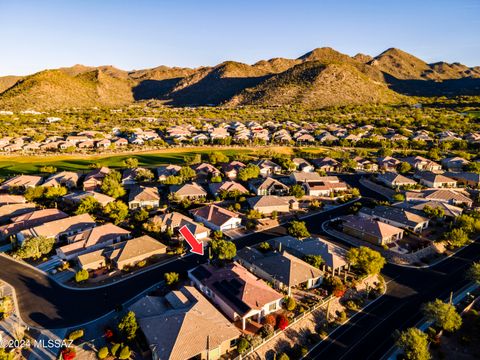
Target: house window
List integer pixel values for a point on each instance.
(272, 307)
(233, 342)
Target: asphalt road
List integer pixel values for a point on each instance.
(44, 303)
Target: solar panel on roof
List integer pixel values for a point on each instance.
(201, 273)
(236, 284)
(225, 289)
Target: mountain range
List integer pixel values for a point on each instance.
(320, 78)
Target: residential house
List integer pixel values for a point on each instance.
(77, 197)
(388, 163)
(329, 185)
(206, 170)
(268, 186)
(191, 191)
(21, 181)
(165, 171)
(303, 165)
(450, 211)
(299, 177)
(363, 164)
(470, 179)
(334, 257)
(443, 195)
(433, 180)
(268, 168)
(282, 269)
(239, 294)
(396, 216)
(68, 179)
(269, 203)
(423, 164)
(12, 210)
(28, 220)
(174, 221)
(92, 239)
(143, 196)
(231, 169)
(227, 187)
(169, 322)
(216, 218)
(129, 253)
(59, 228)
(373, 231)
(327, 164)
(395, 180)
(93, 180)
(456, 163)
(6, 199)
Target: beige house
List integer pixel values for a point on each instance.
(373, 231)
(21, 181)
(174, 221)
(169, 323)
(68, 179)
(59, 228)
(237, 292)
(131, 252)
(282, 269)
(188, 191)
(143, 196)
(270, 203)
(92, 239)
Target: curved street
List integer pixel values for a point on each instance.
(44, 303)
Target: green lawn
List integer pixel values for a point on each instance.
(10, 166)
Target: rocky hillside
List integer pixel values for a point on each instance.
(315, 84)
(321, 77)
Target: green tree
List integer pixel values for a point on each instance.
(48, 169)
(171, 278)
(444, 315)
(290, 303)
(115, 349)
(34, 193)
(88, 205)
(141, 215)
(55, 192)
(314, 260)
(81, 276)
(117, 211)
(224, 249)
(111, 185)
(457, 238)
(474, 272)
(414, 344)
(144, 175)
(366, 260)
(125, 353)
(251, 171)
(217, 157)
(103, 353)
(242, 345)
(187, 173)
(6, 354)
(398, 197)
(35, 247)
(298, 229)
(128, 326)
(474, 166)
(297, 191)
(131, 163)
(404, 167)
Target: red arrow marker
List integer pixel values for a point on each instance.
(197, 246)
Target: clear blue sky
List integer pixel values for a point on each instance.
(141, 33)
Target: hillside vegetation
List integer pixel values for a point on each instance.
(322, 77)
